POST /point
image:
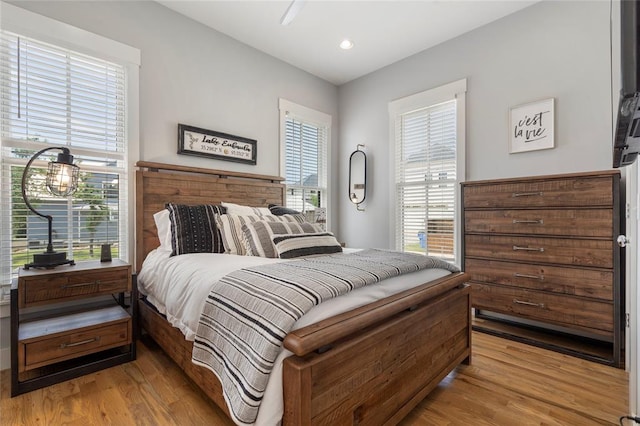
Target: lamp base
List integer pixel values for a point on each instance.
(49, 260)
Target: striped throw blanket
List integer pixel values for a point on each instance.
(250, 311)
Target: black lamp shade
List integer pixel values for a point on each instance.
(62, 176)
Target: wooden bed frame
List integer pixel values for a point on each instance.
(371, 365)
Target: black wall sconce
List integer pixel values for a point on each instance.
(358, 177)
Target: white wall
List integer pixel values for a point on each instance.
(551, 49)
(194, 75)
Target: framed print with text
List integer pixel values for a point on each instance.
(531, 126)
(221, 146)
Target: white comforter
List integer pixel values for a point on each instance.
(178, 286)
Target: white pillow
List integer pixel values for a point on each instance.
(246, 210)
(163, 225)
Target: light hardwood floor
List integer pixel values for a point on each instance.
(507, 383)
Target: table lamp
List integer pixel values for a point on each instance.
(62, 181)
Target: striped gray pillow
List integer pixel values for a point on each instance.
(230, 226)
(194, 230)
(258, 236)
(290, 246)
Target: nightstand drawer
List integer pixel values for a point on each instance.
(53, 340)
(69, 286)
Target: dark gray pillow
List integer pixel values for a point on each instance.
(280, 210)
(290, 246)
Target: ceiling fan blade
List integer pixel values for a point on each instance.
(292, 11)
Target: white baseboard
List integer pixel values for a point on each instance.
(5, 358)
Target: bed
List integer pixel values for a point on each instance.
(369, 365)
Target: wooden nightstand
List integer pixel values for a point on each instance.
(67, 322)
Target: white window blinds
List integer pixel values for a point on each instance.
(51, 97)
(305, 142)
(305, 165)
(426, 179)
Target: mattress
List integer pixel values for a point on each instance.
(178, 286)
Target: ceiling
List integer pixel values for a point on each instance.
(383, 32)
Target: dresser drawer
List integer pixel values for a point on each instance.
(561, 192)
(578, 252)
(594, 283)
(52, 288)
(592, 223)
(567, 311)
(49, 341)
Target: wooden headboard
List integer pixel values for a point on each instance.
(158, 184)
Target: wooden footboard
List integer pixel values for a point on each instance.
(378, 374)
(371, 365)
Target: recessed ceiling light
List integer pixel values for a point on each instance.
(346, 44)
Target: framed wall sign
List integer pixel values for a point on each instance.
(531, 126)
(221, 146)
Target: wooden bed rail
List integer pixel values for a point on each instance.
(321, 335)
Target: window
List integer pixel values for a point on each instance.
(428, 140)
(53, 96)
(305, 136)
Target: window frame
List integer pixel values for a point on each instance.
(317, 118)
(65, 36)
(425, 99)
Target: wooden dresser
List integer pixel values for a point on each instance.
(542, 255)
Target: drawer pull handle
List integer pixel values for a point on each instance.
(534, 221)
(533, 277)
(527, 194)
(84, 342)
(517, 248)
(522, 302)
(64, 287)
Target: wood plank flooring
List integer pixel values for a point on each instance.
(507, 383)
